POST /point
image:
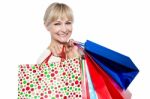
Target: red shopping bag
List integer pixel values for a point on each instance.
(103, 84)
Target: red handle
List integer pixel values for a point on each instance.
(63, 56)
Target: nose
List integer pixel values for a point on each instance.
(63, 28)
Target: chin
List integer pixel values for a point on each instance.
(63, 41)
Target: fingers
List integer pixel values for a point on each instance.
(71, 45)
(71, 42)
(70, 48)
(73, 53)
(73, 50)
(56, 50)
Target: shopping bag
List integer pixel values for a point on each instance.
(54, 80)
(90, 92)
(104, 87)
(118, 66)
(84, 82)
(110, 83)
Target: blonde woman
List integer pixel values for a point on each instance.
(58, 20)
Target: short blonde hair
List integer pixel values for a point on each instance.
(57, 10)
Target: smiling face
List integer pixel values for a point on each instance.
(60, 30)
(58, 20)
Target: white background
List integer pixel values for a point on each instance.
(121, 25)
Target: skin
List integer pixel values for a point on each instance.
(60, 31)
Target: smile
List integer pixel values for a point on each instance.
(63, 35)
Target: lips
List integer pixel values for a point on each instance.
(63, 35)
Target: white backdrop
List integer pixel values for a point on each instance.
(121, 25)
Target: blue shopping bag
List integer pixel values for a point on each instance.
(118, 66)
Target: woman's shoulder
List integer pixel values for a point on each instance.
(43, 56)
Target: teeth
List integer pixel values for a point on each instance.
(62, 34)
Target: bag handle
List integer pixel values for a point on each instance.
(63, 56)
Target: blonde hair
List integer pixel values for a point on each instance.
(57, 10)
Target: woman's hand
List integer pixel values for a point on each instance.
(71, 50)
(56, 49)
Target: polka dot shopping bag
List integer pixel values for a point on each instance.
(56, 80)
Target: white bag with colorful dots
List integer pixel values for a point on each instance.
(57, 80)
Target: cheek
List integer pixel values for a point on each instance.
(53, 30)
(70, 28)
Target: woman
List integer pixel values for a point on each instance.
(58, 20)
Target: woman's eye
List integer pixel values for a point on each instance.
(68, 23)
(57, 24)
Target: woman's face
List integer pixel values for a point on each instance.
(60, 30)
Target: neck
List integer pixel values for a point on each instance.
(54, 42)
